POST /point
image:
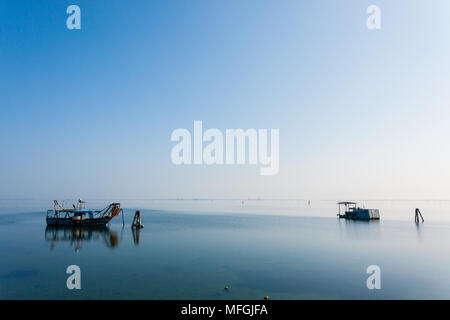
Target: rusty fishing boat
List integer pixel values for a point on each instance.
(80, 216)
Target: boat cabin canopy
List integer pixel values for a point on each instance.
(347, 205)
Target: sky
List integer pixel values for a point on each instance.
(362, 114)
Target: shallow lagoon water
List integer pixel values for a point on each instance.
(195, 254)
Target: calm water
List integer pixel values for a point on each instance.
(256, 248)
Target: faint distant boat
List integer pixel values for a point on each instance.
(351, 211)
(80, 216)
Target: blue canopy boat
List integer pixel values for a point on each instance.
(80, 216)
(351, 211)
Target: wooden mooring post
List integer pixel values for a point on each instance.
(137, 221)
(416, 218)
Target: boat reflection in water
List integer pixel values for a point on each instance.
(77, 235)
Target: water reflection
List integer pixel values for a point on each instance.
(75, 236)
(419, 231)
(136, 235)
(359, 229)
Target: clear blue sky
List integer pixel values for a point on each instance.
(362, 114)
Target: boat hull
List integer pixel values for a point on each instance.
(361, 214)
(72, 222)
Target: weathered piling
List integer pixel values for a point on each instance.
(417, 215)
(137, 221)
